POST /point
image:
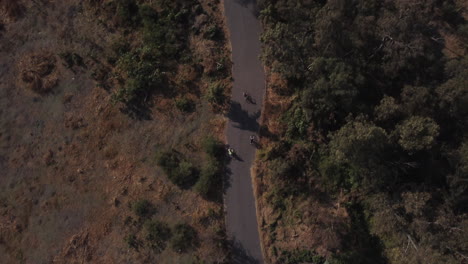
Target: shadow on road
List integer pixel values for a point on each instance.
(227, 179)
(242, 118)
(250, 4)
(240, 255)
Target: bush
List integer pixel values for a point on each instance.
(181, 173)
(132, 241)
(71, 59)
(157, 233)
(127, 13)
(213, 147)
(215, 94)
(185, 175)
(209, 179)
(214, 33)
(143, 208)
(168, 161)
(185, 238)
(185, 105)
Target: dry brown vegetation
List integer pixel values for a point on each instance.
(11, 9)
(73, 165)
(307, 222)
(38, 72)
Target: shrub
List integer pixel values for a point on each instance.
(185, 175)
(131, 241)
(157, 233)
(214, 33)
(209, 179)
(185, 105)
(143, 208)
(71, 59)
(417, 133)
(185, 238)
(215, 94)
(181, 173)
(168, 161)
(127, 13)
(213, 147)
(148, 15)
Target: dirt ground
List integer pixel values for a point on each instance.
(71, 163)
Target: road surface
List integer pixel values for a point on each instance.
(241, 220)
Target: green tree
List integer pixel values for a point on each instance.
(359, 142)
(417, 133)
(359, 148)
(210, 179)
(185, 238)
(387, 110)
(213, 147)
(157, 233)
(143, 208)
(332, 92)
(416, 100)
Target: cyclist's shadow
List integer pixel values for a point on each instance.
(236, 157)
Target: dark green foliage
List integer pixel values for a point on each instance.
(143, 66)
(215, 94)
(417, 133)
(296, 122)
(143, 208)
(214, 33)
(213, 147)
(169, 161)
(71, 59)
(387, 110)
(332, 92)
(185, 105)
(179, 171)
(338, 175)
(374, 87)
(185, 175)
(185, 238)
(359, 142)
(127, 13)
(210, 179)
(157, 233)
(360, 246)
(132, 241)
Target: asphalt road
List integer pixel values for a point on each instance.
(241, 220)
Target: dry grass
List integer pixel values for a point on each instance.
(305, 223)
(38, 72)
(72, 163)
(12, 9)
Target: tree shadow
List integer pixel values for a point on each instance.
(239, 254)
(244, 120)
(227, 180)
(141, 111)
(251, 5)
(265, 132)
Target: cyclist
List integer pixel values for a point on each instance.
(231, 151)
